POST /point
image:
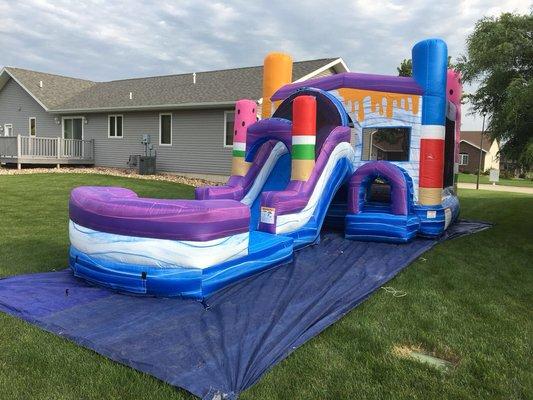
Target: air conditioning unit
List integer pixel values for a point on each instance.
(147, 165)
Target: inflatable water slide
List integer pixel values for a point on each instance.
(369, 154)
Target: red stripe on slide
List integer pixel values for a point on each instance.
(304, 115)
(431, 163)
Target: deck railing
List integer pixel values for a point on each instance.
(44, 148)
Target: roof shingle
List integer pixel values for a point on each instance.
(474, 137)
(56, 88)
(224, 86)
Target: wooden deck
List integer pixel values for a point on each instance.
(42, 150)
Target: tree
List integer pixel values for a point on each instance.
(500, 58)
(405, 68)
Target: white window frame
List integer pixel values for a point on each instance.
(462, 156)
(227, 146)
(5, 128)
(29, 126)
(108, 126)
(160, 137)
(73, 117)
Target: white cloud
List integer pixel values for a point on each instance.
(104, 40)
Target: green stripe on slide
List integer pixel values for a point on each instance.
(238, 153)
(303, 151)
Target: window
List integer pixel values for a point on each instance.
(165, 129)
(229, 120)
(389, 144)
(32, 126)
(463, 158)
(114, 126)
(73, 127)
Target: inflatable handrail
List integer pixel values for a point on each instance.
(297, 194)
(270, 129)
(237, 186)
(395, 176)
(122, 212)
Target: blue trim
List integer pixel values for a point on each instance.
(434, 227)
(265, 251)
(381, 227)
(385, 227)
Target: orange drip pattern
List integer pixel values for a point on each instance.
(382, 102)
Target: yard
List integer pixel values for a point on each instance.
(484, 179)
(468, 301)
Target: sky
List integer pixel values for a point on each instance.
(106, 40)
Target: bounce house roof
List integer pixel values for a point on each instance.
(354, 80)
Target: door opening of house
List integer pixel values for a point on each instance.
(73, 128)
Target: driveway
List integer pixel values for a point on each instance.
(496, 188)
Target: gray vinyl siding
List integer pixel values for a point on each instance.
(197, 141)
(197, 135)
(17, 106)
(327, 72)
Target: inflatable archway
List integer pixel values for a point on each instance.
(392, 222)
(401, 187)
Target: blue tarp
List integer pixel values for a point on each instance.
(221, 350)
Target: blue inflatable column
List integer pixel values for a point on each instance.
(430, 61)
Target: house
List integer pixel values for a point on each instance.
(469, 152)
(470, 149)
(189, 117)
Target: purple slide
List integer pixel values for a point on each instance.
(267, 140)
(300, 209)
(268, 145)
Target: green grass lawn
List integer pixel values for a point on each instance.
(472, 178)
(468, 300)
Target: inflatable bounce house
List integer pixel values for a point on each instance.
(369, 154)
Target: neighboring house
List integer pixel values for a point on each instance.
(189, 117)
(469, 152)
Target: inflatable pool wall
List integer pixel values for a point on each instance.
(187, 248)
(289, 171)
